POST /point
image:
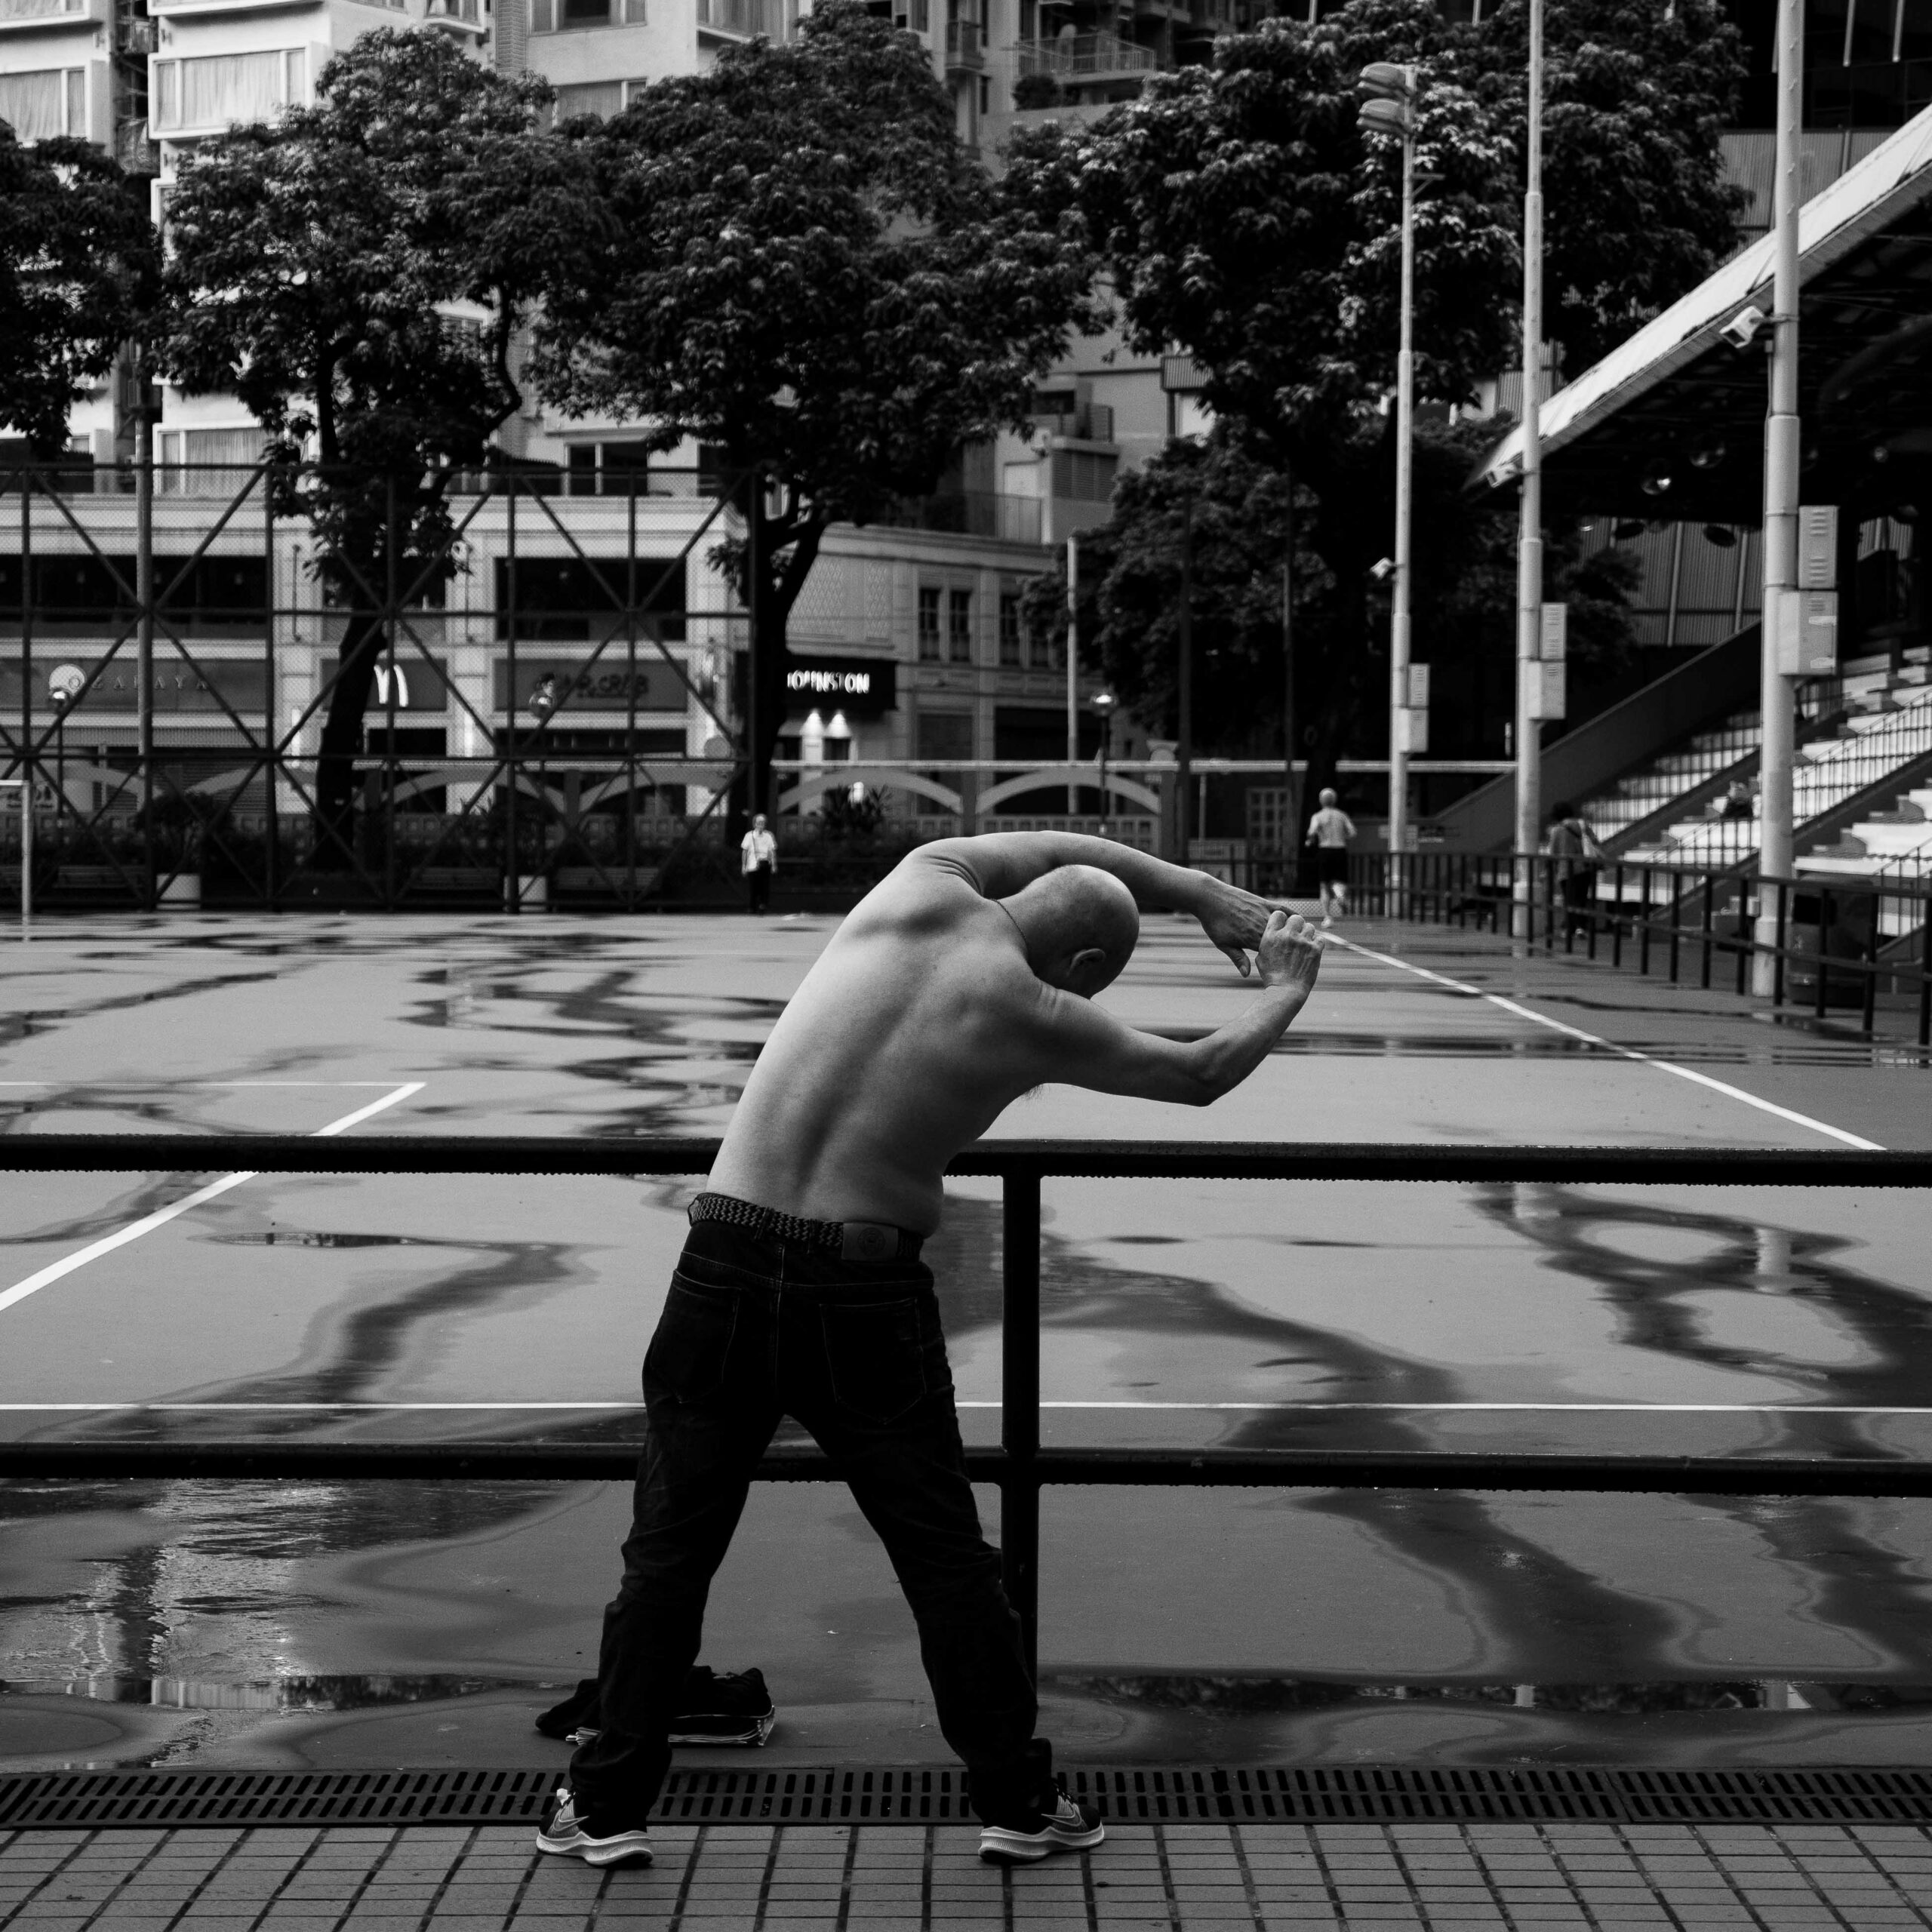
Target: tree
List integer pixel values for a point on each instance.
(1244, 216)
(358, 274)
(801, 266)
(1465, 565)
(77, 266)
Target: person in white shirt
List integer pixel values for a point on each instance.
(758, 859)
(1329, 832)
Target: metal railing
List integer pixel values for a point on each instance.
(1083, 56)
(1835, 944)
(1020, 1466)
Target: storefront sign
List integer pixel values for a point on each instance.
(608, 684)
(859, 687)
(210, 684)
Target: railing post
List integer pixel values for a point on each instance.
(1020, 1405)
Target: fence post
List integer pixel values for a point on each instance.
(1925, 973)
(1872, 965)
(271, 738)
(144, 629)
(1019, 1404)
(512, 863)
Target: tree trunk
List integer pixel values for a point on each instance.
(341, 741)
(784, 552)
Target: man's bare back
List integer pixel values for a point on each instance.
(964, 980)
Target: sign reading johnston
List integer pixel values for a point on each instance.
(862, 686)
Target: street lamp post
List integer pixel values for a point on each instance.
(1391, 110)
(1103, 702)
(1528, 747)
(1783, 458)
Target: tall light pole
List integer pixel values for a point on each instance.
(1528, 747)
(1391, 110)
(1782, 456)
(1072, 665)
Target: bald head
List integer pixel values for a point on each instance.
(1079, 925)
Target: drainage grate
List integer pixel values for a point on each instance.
(1253, 1793)
(100, 1799)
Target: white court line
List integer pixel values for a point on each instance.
(162, 1216)
(1609, 1046)
(1400, 1408)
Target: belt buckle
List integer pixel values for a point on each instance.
(868, 1241)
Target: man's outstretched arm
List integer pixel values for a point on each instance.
(1001, 863)
(1088, 1047)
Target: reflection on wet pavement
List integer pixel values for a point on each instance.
(312, 1600)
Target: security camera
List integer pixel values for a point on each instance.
(1381, 568)
(1741, 330)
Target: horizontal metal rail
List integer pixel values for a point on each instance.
(1021, 1466)
(1076, 1159)
(1112, 1468)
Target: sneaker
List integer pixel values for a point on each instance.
(564, 1832)
(1326, 920)
(1064, 1827)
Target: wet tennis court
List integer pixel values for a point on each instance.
(321, 1623)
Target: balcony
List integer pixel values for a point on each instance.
(1083, 56)
(965, 47)
(969, 513)
(1093, 424)
(44, 13)
(741, 19)
(460, 18)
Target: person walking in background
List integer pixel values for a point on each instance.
(758, 858)
(1329, 832)
(1572, 843)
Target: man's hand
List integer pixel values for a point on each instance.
(1290, 954)
(1234, 920)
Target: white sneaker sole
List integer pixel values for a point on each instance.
(998, 1846)
(597, 1851)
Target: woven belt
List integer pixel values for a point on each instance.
(856, 1241)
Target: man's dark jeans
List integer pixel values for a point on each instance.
(755, 1328)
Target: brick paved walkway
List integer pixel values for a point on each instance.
(1147, 1878)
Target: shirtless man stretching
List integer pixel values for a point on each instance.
(962, 981)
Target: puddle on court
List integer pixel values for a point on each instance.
(294, 1694)
(1250, 1696)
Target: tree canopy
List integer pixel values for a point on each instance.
(77, 264)
(358, 274)
(799, 264)
(1244, 217)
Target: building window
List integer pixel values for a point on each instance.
(227, 90)
(568, 16)
(608, 469)
(40, 105)
(959, 626)
(1040, 653)
(944, 736)
(1009, 628)
(601, 98)
(1083, 476)
(208, 463)
(928, 625)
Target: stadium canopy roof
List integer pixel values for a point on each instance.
(1670, 424)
